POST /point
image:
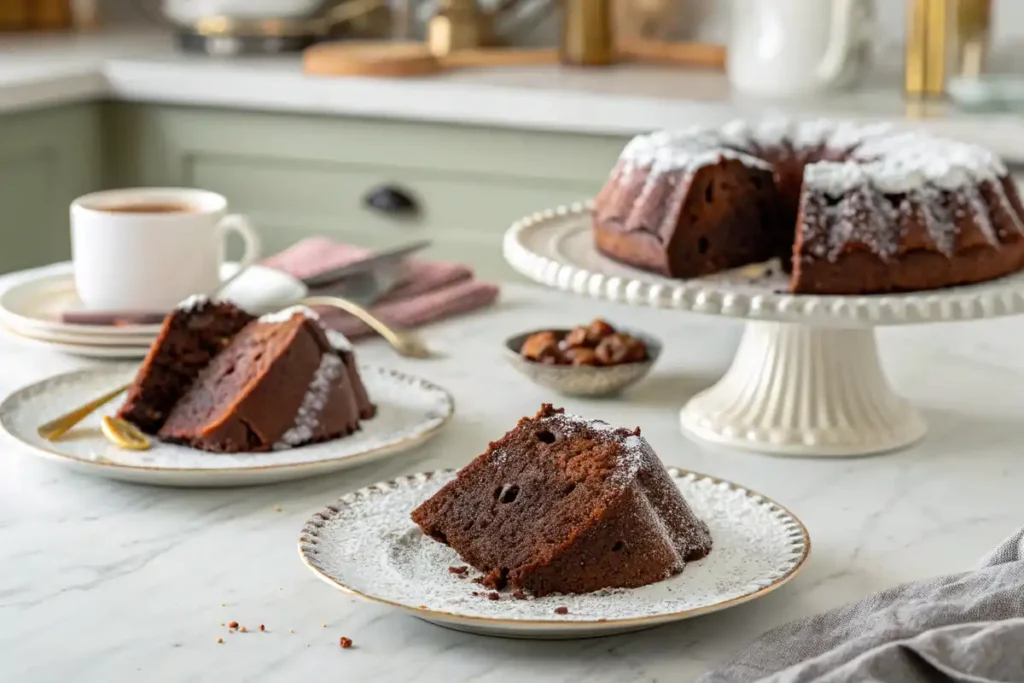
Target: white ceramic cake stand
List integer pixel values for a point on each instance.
(806, 379)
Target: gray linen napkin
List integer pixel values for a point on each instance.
(962, 628)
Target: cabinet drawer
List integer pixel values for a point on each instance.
(302, 175)
(464, 215)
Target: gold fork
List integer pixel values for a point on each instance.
(403, 341)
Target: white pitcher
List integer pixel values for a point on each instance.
(784, 48)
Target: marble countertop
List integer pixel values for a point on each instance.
(102, 581)
(623, 100)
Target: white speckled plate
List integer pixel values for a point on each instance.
(409, 411)
(366, 544)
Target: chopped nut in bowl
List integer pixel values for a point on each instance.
(589, 360)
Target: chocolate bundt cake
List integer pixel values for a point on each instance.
(221, 380)
(561, 504)
(849, 209)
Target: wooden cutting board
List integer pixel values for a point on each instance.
(398, 60)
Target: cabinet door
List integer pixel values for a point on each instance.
(47, 158)
(300, 175)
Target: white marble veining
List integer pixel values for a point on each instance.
(621, 100)
(101, 581)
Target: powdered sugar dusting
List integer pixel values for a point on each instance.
(891, 178)
(193, 303)
(815, 133)
(868, 184)
(682, 151)
(635, 452)
(368, 543)
(287, 313)
(773, 133)
(312, 406)
(336, 339)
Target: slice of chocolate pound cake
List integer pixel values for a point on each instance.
(191, 335)
(249, 384)
(562, 504)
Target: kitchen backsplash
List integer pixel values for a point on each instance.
(709, 19)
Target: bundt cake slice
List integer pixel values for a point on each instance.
(191, 335)
(221, 380)
(721, 211)
(278, 384)
(561, 504)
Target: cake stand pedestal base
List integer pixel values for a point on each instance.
(804, 391)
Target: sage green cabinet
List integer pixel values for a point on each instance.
(47, 158)
(298, 175)
(294, 175)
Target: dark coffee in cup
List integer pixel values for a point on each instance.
(150, 207)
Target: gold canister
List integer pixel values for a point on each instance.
(15, 15)
(945, 39)
(50, 15)
(587, 36)
(973, 36)
(456, 25)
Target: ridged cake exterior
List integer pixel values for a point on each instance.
(854, 209)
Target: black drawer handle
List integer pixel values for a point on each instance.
(392, 200)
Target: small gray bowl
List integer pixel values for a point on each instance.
(583, 380)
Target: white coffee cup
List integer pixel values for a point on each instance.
(147, 249)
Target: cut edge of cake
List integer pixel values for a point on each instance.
(596, 509)
(260, 409)
(864, 209)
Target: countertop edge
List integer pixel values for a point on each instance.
(467, 102)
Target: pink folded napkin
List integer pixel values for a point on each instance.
(428, 290)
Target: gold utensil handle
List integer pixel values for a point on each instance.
(358, 311)
(404, 343)
(56, 428)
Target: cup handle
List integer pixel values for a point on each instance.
(241, 226)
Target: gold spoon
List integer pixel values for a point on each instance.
(404, 342)
(124, 434)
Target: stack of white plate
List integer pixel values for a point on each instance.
(31, 311)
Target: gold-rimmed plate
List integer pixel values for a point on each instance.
(410, 411)
(366, 544)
